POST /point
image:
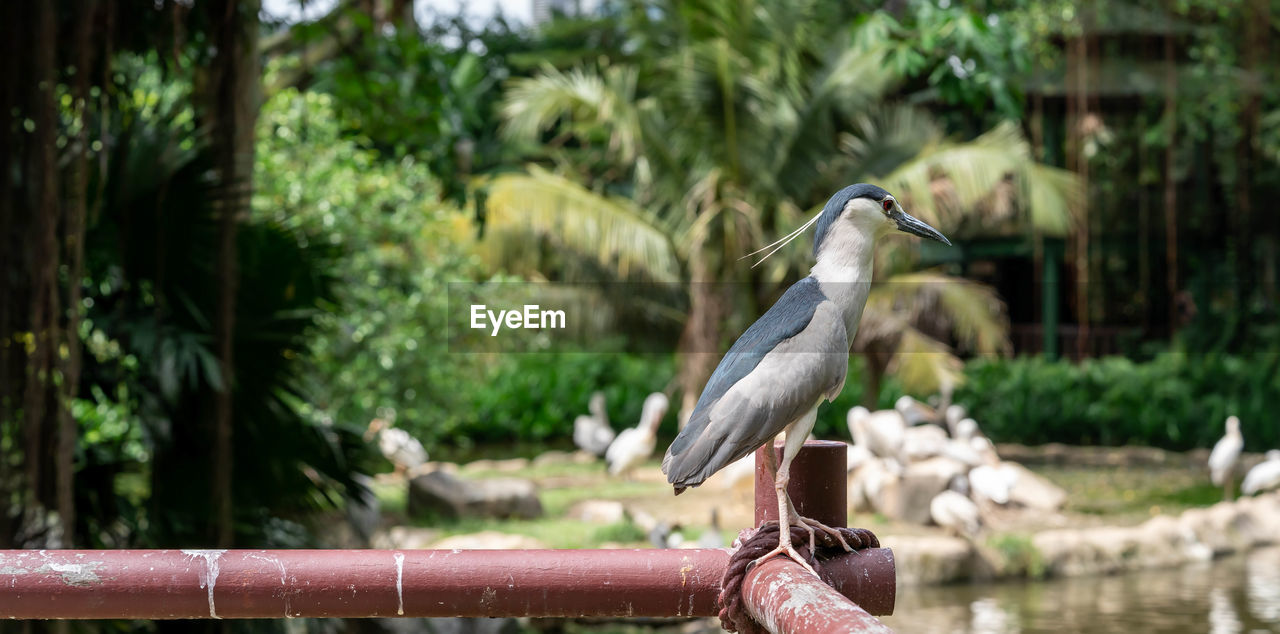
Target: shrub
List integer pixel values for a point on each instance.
(1175, 401)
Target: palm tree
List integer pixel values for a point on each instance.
(675, 169)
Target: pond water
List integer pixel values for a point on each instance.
(1238, 594)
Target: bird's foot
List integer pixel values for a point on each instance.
(813, 524)
(785, 548)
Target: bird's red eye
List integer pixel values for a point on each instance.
(887, 204)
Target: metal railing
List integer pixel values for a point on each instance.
(184, 584)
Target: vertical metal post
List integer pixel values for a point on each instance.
(818, 485)
(784, 597)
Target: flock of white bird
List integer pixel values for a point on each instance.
(1265, 476)
(628, 449)
(886, 442)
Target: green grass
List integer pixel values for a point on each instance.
(1132, 491)
(561, 485)
(1018, 554)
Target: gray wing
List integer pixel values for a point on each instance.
(795, 354)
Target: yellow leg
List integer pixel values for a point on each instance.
(787, 516)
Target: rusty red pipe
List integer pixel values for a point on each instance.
(786, 599)
(174, 584)
(170, 584)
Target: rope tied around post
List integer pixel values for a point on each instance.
(733, 614)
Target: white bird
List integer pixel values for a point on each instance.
(856, 456)
(953, 415)
(914, 412)
(880, 432)
(923, 441)
(1264, 476)
(993, 482)
(1222, 460)
(593, 434)
(965, 429)
(955, 512)
(869, 480)
(404, 451)
(634, 445)
(967, 444)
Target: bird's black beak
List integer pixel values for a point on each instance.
(909, 224)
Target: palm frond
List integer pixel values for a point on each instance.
(972, 312)
(947, 181)
(577, 98)
(1054, 197)
(619, 236)
(923, 364)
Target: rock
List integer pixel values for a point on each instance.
(1164, 541)
(874, 487)
(921, 482)
(1033, 491)
(1110, 549)
(441, 493)
(488, 540)
(513, 465)
(598, 512)
(932, 560)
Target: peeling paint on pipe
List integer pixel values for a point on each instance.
(786, 599)
(172, 584)
(197, 584)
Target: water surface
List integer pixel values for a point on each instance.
(1239, 594)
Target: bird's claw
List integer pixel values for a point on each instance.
(785, 548)
(812, 524)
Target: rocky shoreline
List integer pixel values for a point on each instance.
(1163, 541)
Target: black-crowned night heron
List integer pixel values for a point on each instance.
(794, 356)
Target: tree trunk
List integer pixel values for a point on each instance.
(39, 402)
(73, 245)
(1256, 27)
(233, 95)
(877, 367)
(1170, 184)
(700, 342)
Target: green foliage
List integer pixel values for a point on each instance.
(151, 375)
(1175, 401)
(405, 93)
(380, 349)
(965, 58)
(537, 396)
(1018, 555)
